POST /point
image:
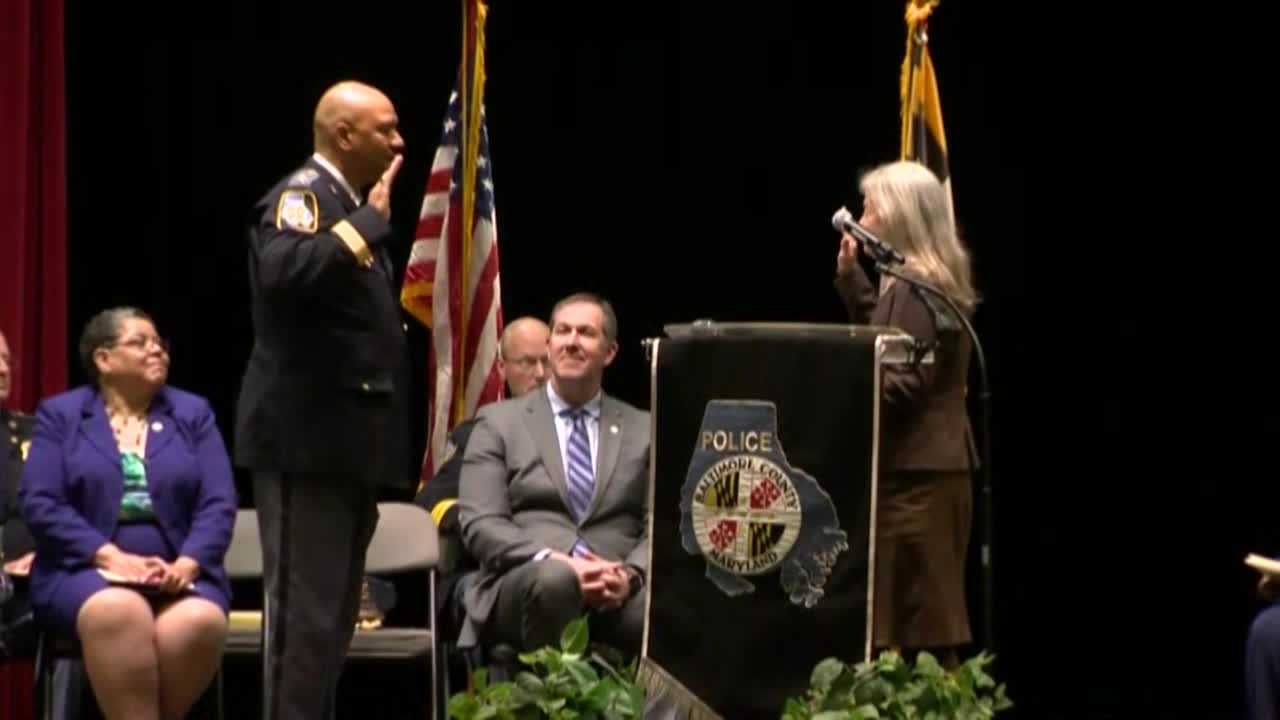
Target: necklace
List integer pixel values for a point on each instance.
(130, 432)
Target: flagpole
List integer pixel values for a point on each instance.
(914, 98)
(473, 14)
(459, 381)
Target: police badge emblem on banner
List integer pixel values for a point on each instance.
(748, 513)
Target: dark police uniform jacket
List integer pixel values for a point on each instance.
(15, 438)
(325, 386)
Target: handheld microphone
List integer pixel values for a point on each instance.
(879, 249)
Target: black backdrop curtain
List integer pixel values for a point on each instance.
(684, 159)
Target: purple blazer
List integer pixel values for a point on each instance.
(73, 484)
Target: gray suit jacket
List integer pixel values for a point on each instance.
(514, 501)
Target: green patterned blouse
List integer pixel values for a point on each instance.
(135, 506)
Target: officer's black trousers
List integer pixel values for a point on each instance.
(315, 531)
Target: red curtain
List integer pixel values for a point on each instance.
(33, 229)
(33, 197)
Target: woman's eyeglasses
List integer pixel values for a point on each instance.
(142, 342)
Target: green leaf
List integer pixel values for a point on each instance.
(553, 661)
(890, 688)
(840, 694)
(529, 682)
(480, 679)
(584, 676)
(573, 639)
(825, 673)
(980, 678)
(551, 706)
(1002, 702)
(616, 675)
(463, 706)
(911, 692)
(620, 707)
(521, 698)
(487, 712)
(872, 690)
(794, 709)
(927, 665)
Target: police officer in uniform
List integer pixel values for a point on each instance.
(15, 438)
(18, 631)
(17, 548)
(322, 418)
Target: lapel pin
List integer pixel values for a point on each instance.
(157, 426)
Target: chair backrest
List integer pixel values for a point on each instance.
(405, 539)
(244, 557)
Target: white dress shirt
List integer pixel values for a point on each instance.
(322, 162)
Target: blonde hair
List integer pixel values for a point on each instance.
(915, 219)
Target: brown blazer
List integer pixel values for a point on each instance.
(924, 420)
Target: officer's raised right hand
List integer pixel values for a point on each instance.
(380, 194)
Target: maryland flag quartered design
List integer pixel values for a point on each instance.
(923, 137)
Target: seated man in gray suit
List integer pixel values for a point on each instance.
(552, 500)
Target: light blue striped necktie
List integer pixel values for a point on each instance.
(579, 474)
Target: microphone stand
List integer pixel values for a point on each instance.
(984, 398)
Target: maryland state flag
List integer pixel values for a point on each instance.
(923, 138)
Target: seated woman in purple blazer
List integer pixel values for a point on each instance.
(129, 477)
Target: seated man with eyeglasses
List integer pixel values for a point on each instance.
(522, 363)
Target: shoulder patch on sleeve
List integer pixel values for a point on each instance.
(304, 177)
(298, 210)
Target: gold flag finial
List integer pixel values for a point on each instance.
(918, 11)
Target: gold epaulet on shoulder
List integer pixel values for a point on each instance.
(20, 428)
(21, 423)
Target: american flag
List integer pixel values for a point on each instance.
(451, 283)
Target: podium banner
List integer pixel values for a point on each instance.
(762, 497)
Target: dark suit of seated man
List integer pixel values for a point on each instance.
(522, 364)
(553, 498)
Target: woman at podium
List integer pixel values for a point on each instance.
(927, 452)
